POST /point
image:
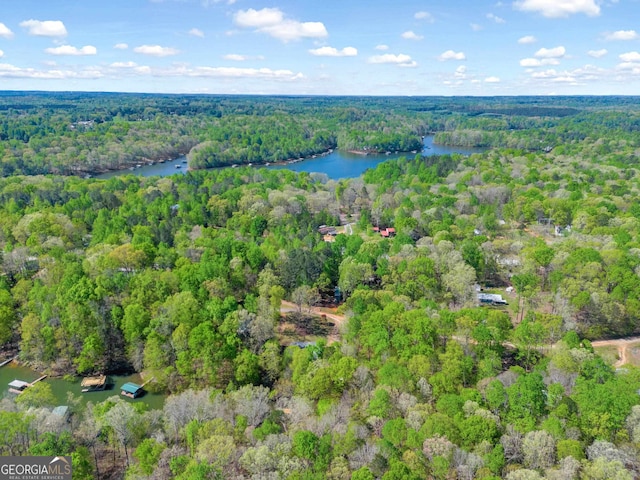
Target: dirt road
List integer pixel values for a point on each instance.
(622, 344)
(330, 313)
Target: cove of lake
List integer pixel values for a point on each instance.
(336, 165)
(62, 387)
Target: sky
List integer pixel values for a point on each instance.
(322, 47)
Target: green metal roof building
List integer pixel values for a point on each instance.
(131, 390)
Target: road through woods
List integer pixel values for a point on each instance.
(338, 320)
(622, 344)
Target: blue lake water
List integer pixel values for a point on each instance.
(336, 165)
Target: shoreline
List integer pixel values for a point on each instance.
(143, 162)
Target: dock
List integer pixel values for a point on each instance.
(131, 390)
(148, 381)
(94, 384)
(19, 386)
(37, 380)
(7, 361)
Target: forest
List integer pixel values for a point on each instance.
(219, 284)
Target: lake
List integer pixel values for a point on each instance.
(336, 165)
(61, 387)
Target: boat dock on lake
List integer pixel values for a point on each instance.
(94, 384)
(131, 390)
(19, 386)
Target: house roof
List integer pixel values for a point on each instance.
(130, 387)
(61, 410)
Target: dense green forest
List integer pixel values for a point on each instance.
(207, 282)
(82, 133)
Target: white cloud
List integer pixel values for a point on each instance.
(559, 8)
(5, 32)
(582, 75)
(1, 54)
(47, 28)
(555, 52)
(536, 62)
(492, 80)
(121, 46)
(156, 50)
(272, 22)
(530, 62)
(236, 57)
(258, 18)
(630, 57)
(527, 39)
(461, 72)
(123, 64)
(496, 18)
(11, 71)
(410, 35)
(241, 58)
(196, 32)
(622, 35)
(334, 52)
(426, 16)
(235, 72)
(451, 55)
(475, 27)
(597, 53)
(401, 60)
(71, 50)
(382, 48)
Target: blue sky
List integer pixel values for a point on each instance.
(335, 47)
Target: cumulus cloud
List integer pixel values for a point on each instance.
(242, 58)
(5, 32)
(582, 75)
(555, 52)
(536, 62)
(559, 8)
(334, 52)
(121, 46)
(597, 53)
(426, 16)
(156, 50)
(235, 72)
(630, 57)
(47, 28)
(273, 22)
(461, 72)
(236, 57)
(622, 35)
(492, 80)
(400, 60)
(123, 64)
(1, 54)
(527, 39)
(71, 50)
(496, 18)
(475, 27)
(196, 32)
(410, 35)
(451, 55)
(11, 71)
(382, 48)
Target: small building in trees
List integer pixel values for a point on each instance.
(491, 299)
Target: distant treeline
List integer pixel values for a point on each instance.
(80, 133)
